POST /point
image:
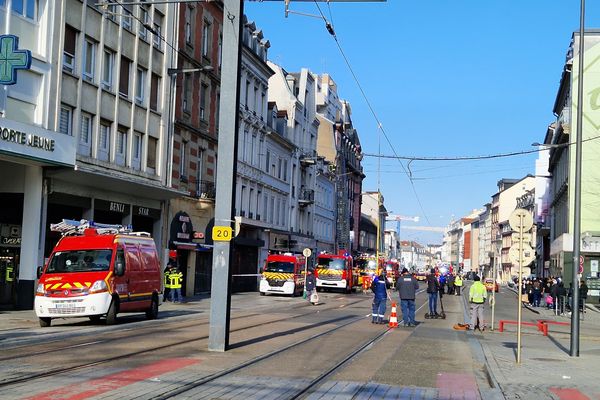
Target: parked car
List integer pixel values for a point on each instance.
(490, 285)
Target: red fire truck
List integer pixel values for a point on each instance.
(98, 271)
(283, 274)
(336, 271)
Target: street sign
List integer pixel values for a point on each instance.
(528, 254)
(526, 237)
(581, 261)
(306, 252)
(520, 220)
(222, 233)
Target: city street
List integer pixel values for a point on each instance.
(283, 347)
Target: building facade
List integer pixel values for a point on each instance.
(95, 97)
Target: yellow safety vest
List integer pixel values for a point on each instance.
(457, 281)
(167, 279)
(477, 293)
(175, 279)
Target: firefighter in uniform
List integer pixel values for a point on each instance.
(167, 281)
(477, 296)
(175, 278)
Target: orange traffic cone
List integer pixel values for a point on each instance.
(393, 317)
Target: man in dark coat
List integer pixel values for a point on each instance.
(407, 289)
(433, 286)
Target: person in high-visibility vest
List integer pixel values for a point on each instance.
(167, 283)
(175, 279)
(477, 296)
(458, 284)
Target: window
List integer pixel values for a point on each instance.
(107, 69)
(85, 135)
(65, 123)
(187, 92)
(126, 17)
(220, 50)
(121, 154)
(25, 8)
(199, 169)
(104, 141)
(124, 77)
(182, 162)
(285, 168)
(206, 39)
(188, 25)
(203, 94)
(69, 49)
(246, 94)
(89, 60)
(154, 85)
(218, 108)
(140, 83)
(144, 19)
(137, 151)
(157, 24)
(268, 157)
(152, 147)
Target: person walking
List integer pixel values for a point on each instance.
(458, 284)
(583, 294)
(175, 278)
(477, 296)
(407, 290)
(310, 284)
(380, 295)
(433, 286)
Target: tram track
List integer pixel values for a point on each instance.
(13, 380)
(307, 387)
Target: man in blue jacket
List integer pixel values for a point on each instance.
(379, 287)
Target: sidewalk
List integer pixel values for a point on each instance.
(546, 370)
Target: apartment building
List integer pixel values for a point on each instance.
(195, 84)
(95, 97)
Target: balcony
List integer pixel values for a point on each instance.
(307, 196)
(564, 120)
(206, 190)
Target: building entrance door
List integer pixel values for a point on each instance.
(9, 267)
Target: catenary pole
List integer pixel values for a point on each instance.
(218, 337)
(574, 348)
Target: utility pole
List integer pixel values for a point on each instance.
(218, 338)
(574, 348)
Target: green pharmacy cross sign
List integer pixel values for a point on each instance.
(12, 59)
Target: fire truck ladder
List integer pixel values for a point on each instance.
(73, 227)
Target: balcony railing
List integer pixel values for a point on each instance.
(206, 190)
(307, 196)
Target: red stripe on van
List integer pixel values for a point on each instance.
(121, 379)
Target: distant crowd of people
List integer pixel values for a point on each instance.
(552, 293)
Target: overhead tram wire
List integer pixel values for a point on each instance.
(331, 31)
(480, 157)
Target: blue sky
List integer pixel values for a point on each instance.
(445, 78)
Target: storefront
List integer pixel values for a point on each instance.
(26, 151)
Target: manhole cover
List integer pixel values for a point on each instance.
(545, 359)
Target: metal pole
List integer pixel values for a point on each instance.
(218, 338)
(574, 349)
(493, 292)
(520, 308)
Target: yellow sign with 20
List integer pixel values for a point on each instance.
(222, 233)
